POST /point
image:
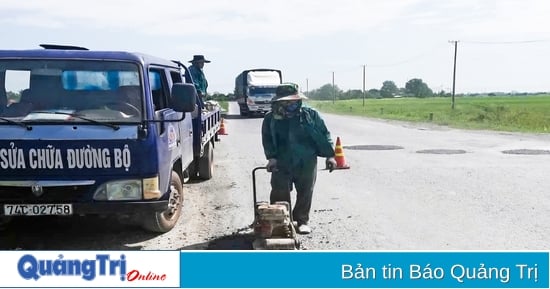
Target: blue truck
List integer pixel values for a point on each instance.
(100, 133)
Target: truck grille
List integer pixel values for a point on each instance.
(50, 194)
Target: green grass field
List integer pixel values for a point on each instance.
(224, 104)
(517, 113)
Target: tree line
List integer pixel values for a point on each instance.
(413, 88)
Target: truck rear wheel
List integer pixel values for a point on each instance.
(206, 163)
(243, 109)
(162, 222)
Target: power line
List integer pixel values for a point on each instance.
(429, 53)
(506, 42)
(413, 58)
(407, 60)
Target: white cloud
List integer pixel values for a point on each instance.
(271, 19)
(282, 19)
(307, 38)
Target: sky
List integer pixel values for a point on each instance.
(503, 45)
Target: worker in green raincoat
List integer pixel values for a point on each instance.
(201, 85)
(199, 79)
(293, 136)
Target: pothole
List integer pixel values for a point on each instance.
(441, 152)
(527, 152)
(374, 147)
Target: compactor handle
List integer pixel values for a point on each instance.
(254, 182)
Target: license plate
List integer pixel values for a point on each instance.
(38, 209)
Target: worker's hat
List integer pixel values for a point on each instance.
(197, 58)
(288, 91)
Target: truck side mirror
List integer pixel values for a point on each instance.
(184, 97)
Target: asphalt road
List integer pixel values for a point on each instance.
(410, 186)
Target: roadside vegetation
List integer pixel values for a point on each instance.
(224, 104)
(417, 102)
(528, 113)
(222, 99)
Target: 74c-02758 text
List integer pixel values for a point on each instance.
(37, 209)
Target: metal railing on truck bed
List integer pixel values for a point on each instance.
(211, 121)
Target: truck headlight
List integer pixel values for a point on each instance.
(141, 189)
(119, 190)
(151, 189)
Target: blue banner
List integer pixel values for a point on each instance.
(360, 269)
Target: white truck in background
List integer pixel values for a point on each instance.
(254, 89)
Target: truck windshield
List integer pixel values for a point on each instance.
(104, 91)
(261, 91)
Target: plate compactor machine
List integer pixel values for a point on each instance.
(273, 226)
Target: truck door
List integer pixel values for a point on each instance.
(168, 132)
(185, 126)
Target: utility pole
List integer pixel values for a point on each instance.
(454, 75)
(333, 89)
(364, 67)
(307, 87)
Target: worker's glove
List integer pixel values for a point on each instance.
(331, 164)
(271, 165)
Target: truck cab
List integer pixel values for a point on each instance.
(94, 132)
(254, 89)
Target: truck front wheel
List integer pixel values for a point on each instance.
(162, 222)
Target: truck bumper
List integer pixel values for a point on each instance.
(259, 108)
(116, 208)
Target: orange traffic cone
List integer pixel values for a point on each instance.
(222, 131)
(339, 156)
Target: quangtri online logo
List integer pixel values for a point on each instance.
(30, 267)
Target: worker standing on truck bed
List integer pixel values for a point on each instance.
(201, 85)
(196, 70)
(293, 137)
